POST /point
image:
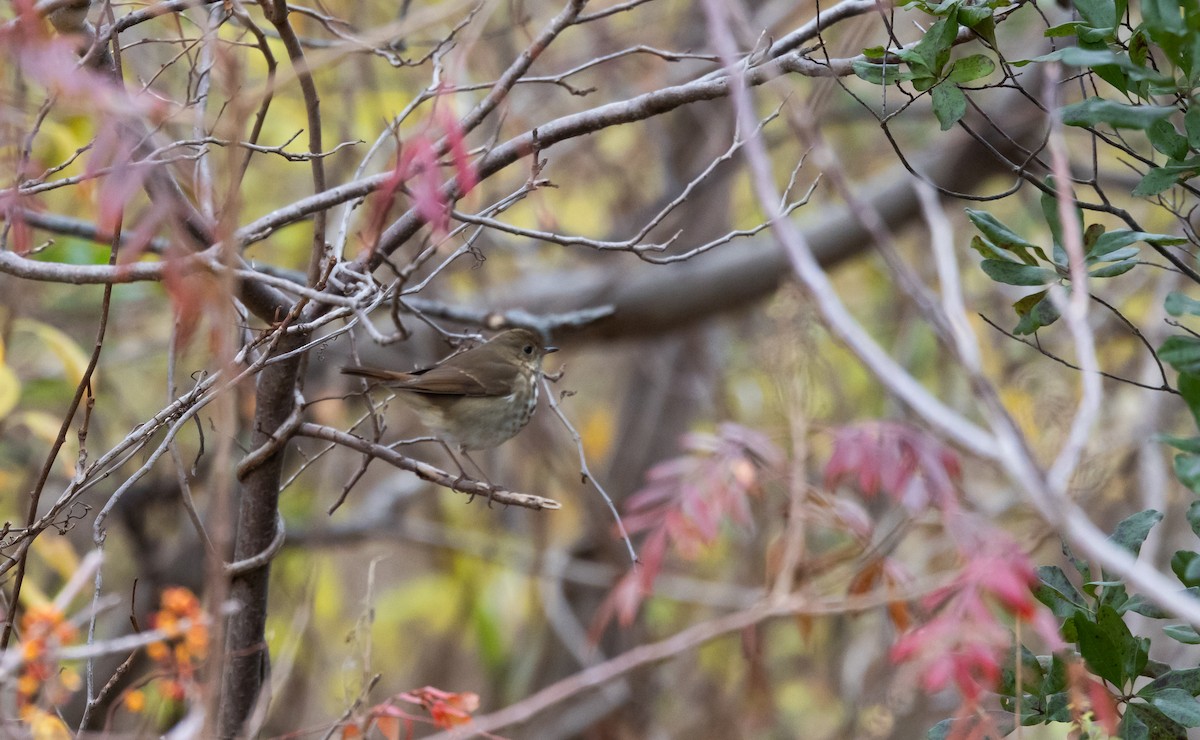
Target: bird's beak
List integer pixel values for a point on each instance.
(551, 349)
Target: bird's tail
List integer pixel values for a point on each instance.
(373, 373)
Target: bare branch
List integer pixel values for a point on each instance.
(425, 471)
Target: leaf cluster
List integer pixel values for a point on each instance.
(1159, 701)
(1154, 66)
(927, 66)
(1011, 259)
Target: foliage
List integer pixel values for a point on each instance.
(1157, 59)
(192, 257)
(1125, 692)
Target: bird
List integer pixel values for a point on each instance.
(479, 398)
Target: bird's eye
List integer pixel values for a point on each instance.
(528, 349)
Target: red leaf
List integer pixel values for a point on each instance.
(1104, 706)
(464, 170)
(912, 467)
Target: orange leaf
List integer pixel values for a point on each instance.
(389, 727)
(898, 612)
(866, 578)
(804, 623)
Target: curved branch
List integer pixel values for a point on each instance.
(677, 644)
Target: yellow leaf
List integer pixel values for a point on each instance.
(45, 726)
(1022, 406)
(597, 433)
(44, 427)
(32, 596)
(70, 679)
(74, 360)
(58, 553)
(58, 139)
(10, 387)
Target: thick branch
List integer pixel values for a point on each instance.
(246, 650)
(654, 299)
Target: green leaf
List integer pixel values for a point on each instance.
(1073, 56)
(933, 50)
(1185, 564)
(1035, 311)
(1033, 675)
(1139, 605)
(1096, 110)
(979, 19)
(1117, 255)
(1133, 651)
(1010, 273)
(1178, 705)
(1193, 517)
(1191, 124)
(1187, 444)
(1113, 594)
(1110, 242)
(1081, 566)
(1057, 592)
(1144, 722)
(949, 104)
(1164, 138)
(1178, 304)
(1184, 633)
(1187, 679)
(1024, 306)
(1181, 353)
(1056, 676)
(1163, 17)
(1069, 28)
(1132, 727)
(987, 250)
(1002, 236)
(1133, 530)
(1188, 386)
(922, 81)
(1116, 268)
(1187, 470)
(1157, 180)
(1099, 13)
(1139, 47)
(940, 731)
(1104, 645)
(880, 74)
(1058, 707)
(1161, 22)
(974, 67)
(1077, 56)
(1091, 236)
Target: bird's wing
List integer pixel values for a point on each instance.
(450, 379)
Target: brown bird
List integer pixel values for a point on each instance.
(478, 398)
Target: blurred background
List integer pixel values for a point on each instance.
(405, 584)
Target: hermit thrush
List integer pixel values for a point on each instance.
(478, 398)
